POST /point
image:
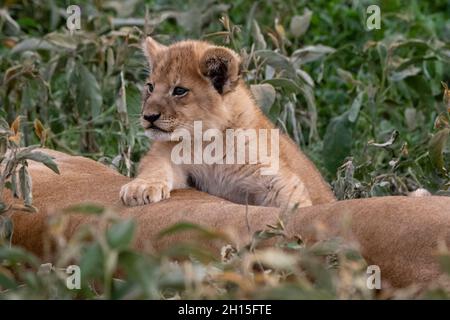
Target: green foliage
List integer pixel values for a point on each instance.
(110, 269)
(14, 173)
(366, 106)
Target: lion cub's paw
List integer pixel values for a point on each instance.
(139, 192)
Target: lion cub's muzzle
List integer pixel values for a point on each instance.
(151, 117)
(149, 121)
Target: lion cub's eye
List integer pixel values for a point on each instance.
(150, 87)
(179, 91)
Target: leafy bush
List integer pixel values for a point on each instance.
(14, 172)
(287, 270)
(111, 269)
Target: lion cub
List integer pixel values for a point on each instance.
(195, 89)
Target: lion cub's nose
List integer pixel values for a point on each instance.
(152, 117)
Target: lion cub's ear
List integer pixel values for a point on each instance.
(221, 66)
(151, 49)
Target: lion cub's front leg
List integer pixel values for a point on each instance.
(155, 180)
(299, 196)
(288, 192)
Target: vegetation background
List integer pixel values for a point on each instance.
(370, 107)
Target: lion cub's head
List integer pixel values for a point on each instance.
(188, 82)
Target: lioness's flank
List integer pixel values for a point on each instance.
(195, 82)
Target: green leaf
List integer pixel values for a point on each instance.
(38, 156)
(32, 44)
(278, 61)
(4, 125)
(18, 255)
(310, 54)
(89, 93)
(287, 84)
(3, 147)
(25, 186)
(91, 262)
(264, 95)
(8, 23)
(407, 72)
(24, 151)
(121, 100)
(444, 262)
(134, 103)
(346, 76)
(381, 189)
(410, 44)
(337, 142)
(260, 42)
(188, 226)
(187, 250)
(411, 118)
(356, 106)
(7, 282)
(305, 77)
(382, 53)
(444, 54)
(120, 234)
(308, 94)
(436, 147)
(109, 61)
(142, 270)
(6, 229)
(300, 24)
(13, 185)
(85, 208)
(63, 40)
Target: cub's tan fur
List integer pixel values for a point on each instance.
(219, 98)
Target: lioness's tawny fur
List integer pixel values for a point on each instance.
(196, 81)
(398, 234)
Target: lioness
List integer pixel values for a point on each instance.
(194, 81)
(401, 235)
